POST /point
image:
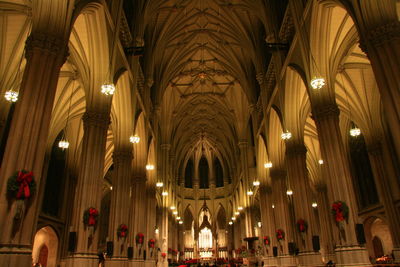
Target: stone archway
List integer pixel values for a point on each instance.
(45, 247)
(378, 248)
(379, 240)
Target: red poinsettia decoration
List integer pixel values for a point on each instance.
(164, 255)
(302, 226)
(139, 238)
(21, 185)
(267, 240)
(340, 211)
(280, 234)
(151, 243)
(122, 231)
(90, 216)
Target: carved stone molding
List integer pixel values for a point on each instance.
(384, 33)
(278, 174)
(296, 149)
(122, 156)
(97, 119)
(48, 43)
(323, 112)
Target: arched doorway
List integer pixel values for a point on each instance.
(379, 240)
(377, 245)
(45, 247)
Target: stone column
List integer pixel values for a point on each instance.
(339, 182)
(151, 224)
(381, 43)
(26, 143)
(302, 195)
(139, 204)
(385, 194)
(120, 198)
(248, 225)
(163, 242)
(268, 223)
(89, 186)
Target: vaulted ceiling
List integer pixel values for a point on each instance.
(202, 58)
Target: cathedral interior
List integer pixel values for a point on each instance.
(186, 132)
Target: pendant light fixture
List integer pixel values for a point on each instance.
(63, 143)
(11, 95)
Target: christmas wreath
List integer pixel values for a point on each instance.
(21, 185)
(163, 255)
(280, 234)
(90, 217)
(139, 238)
(302, 226)
(340, 211)
(151, 243)
(122, 231)
(267, 240)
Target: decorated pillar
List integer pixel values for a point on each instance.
(340, 187)
(119, 227)
(305, 225)
(45, 54)
(89, 186)
(283, 232)
(139, 216)
(383, 186)
(268, 240)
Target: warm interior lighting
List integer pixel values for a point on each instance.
(317, 83)
(233, 218)
(273, 206)
(256, 183)
(268, 165)
(240, 208)
(259, 224)
(172, 207)
(159, 184)
(11, 96)
(320, 161)
(164, 193)
(178, 218)
(230, 223)
(156, 231)
(108, 89)
(289, 192)
(180, 222)
(237, 213)
(314, 204)
(134, 139)
(250, 193)
(286, 136)
(355, 131)
(175, 212)
(64, 144)
(149, 167)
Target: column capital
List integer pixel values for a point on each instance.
(322, 112)
(293, 149)
(382, 34)
(51, 44)
(278, 174)
(122, 155)
(97, 119)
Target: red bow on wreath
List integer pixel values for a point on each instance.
(340, 211)
(24, 179)
(151, 243)
(93, 213)
(139, 238)
(280, 234)
(122, 230)
(267, 240)
(302, 226)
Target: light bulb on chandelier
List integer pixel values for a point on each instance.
(286, 136)
(149, 167)
(63, 144)
(317, 83)
(250, 193)
(159, 184)
(11, 96)
(108, 88)
(289, 192)
(240, 208)
(256, 183)
(134, 139)
(355, 131)
(268, 165)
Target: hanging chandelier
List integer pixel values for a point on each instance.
(286, 136)
(134, 139)
(108, 88)
(268, 165)
(317, 83)
(355, 131)
(63, 144)
(11, 96)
